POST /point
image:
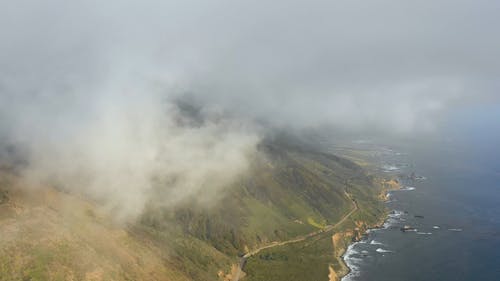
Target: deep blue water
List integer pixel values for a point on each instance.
(461, 192)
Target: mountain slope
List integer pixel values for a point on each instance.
(47, 234)
(290, 192)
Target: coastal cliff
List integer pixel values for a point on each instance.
(319, 257)
(342, 240)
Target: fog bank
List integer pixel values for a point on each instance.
(116, 98)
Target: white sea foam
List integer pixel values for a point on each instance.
(373, 242)
(455, 229)
(390, 222)
(380, 250)
(393, 218)
(424, 233)
(389, 197)
(351, 275)
(396, 214)
(352, 259)
(351, 251)
(390, 168)
(407, 188)
(436, 227)
(352, 262)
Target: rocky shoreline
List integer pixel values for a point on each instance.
(355, 235)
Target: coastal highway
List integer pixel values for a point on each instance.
(327, 228)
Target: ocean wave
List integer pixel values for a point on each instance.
(390, 222)
(424, 233)
(373, 242)
(389, 197)
(455, 229)
(390, 168)
(395, 214)
(394, 217)
(380, 250)
(407, 188)
(351, 275)
(351, 259)
(351, 251)
(436, 227)
(352, 262)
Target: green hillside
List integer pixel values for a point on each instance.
(289, 192)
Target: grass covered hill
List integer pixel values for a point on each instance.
(290, 191)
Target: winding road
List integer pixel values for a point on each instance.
(327, 228)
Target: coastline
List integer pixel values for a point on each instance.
(353, 229)
(358, 233)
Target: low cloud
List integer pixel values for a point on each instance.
(90, 92)
(131, 152)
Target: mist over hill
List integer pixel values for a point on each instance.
(288, 190)
(183, 134)
(90, 91)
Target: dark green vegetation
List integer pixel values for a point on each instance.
(302, 261)
(309, 259)
(288, 192)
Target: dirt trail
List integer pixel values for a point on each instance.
(244, 258)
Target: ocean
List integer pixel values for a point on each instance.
(455, 210)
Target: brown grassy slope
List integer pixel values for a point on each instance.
(48, 235)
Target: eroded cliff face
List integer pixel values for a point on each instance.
(332, 275)
(230, 275)
(341, 241)
(386, 186)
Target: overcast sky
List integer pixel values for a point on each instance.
(392, 65)
(88, 89)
